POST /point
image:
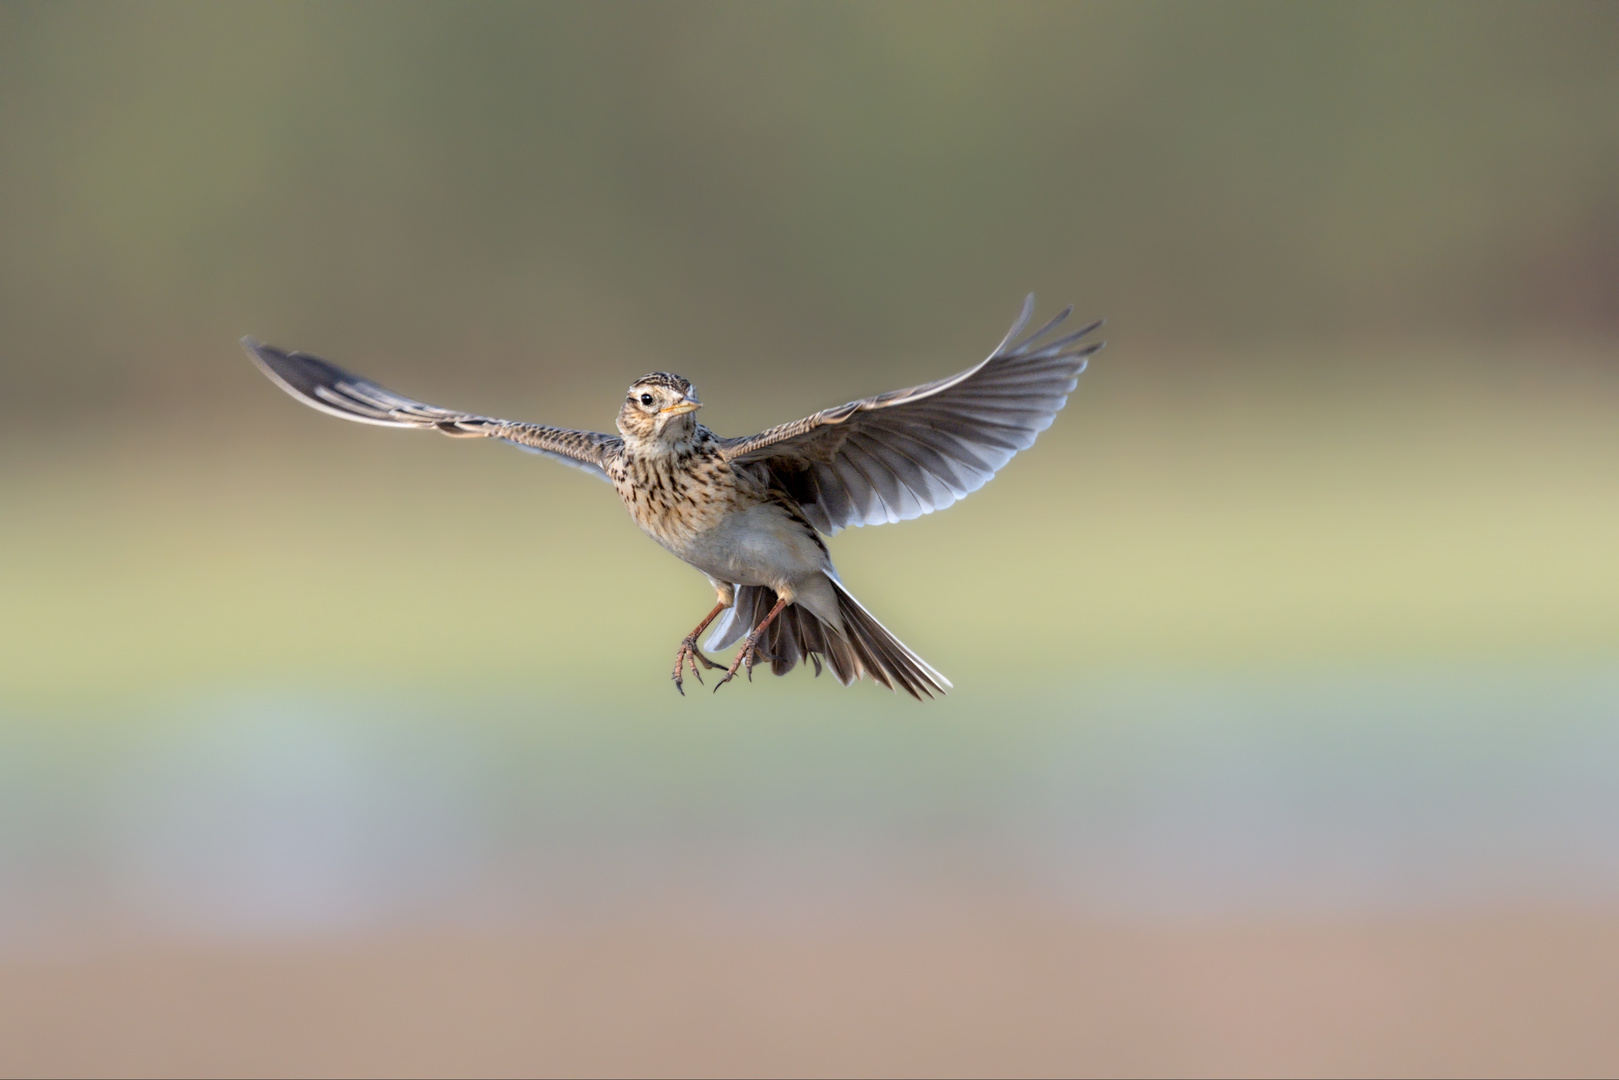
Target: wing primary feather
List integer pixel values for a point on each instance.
(1057, 345)
(1043, 331)
(1017, 324)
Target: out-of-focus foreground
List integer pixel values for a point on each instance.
(1286, 737)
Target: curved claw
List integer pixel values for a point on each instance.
(746, 657)
(730, 673)
(689, 653)
(749, 653)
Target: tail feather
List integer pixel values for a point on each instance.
(865, 647)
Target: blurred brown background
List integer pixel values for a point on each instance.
(1286, 735)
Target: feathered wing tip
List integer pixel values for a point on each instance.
(865, 647)
(1019, 323)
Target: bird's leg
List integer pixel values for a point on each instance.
(746, 653)
(689, 652)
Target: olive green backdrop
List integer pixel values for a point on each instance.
(1306, 604)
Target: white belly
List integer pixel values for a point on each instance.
(761, 545)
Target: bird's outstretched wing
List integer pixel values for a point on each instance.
(327, 387)
(910, 452)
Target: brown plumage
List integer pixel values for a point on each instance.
(748, 512)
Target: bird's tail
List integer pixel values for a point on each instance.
(864, 647)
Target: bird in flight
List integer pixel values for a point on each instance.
(749, 512)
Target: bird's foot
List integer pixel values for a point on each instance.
(750, 648)
(689, 653)
(745, 655)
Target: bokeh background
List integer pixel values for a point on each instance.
(1286, 730)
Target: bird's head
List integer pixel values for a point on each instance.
(658, 408)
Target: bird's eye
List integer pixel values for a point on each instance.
(646, 399)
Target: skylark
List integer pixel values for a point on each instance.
(748, 512)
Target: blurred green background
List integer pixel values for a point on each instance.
(1335, 511)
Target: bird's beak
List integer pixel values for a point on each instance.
(684, 405)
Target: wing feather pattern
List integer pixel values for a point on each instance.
(910, 452)
(327, 387)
